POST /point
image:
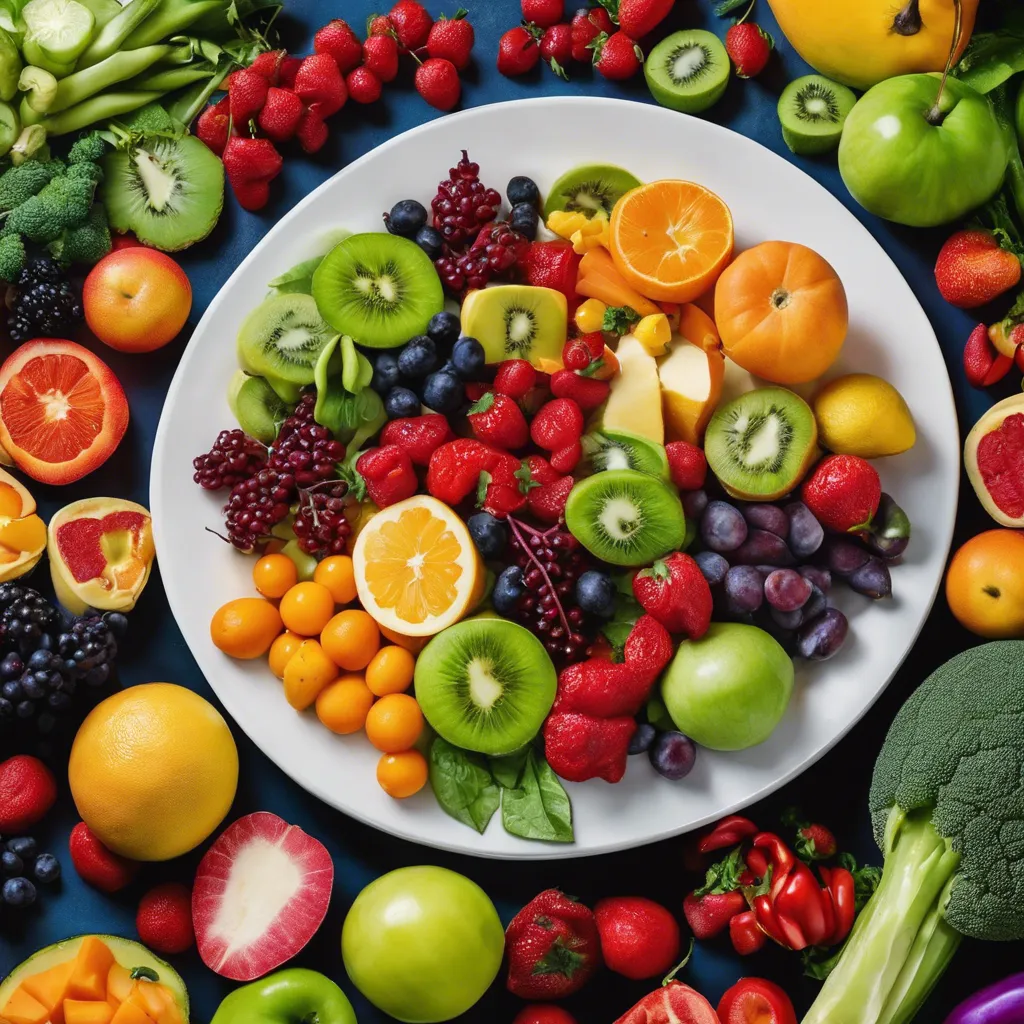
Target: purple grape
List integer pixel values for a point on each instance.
(816, 604)
(694, 503)
(820, 577)
(872, 579)
(843, 556)
(787, 620)
(821, 638)
(787, 590)
(889, 548)
(673, 755)
(767, 517)
(890, 530)
(712, 565)
(805, 532)
(744, 587)
(763, 548)
(722, 527)
(642, 738)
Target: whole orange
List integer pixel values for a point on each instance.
(985, 584)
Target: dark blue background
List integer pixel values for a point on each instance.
(836, 789)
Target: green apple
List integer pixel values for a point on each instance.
(730, 689)
(423, 944)
(916, 161)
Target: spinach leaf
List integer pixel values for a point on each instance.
(298, 280)
(508, 770)
(463, 785)
(539, 807)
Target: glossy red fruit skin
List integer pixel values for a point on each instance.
(518, 52)
(670, 1003)
(164, 919)
(339, 40)
(437, 81)
(452, 39)
(412, 23)
(618, 57)
(638, 18)
(687, 464)
(756, 999)
(843, 492)
(639, 938)
(27, 792)
(972, 269)
(544, 1013)
(363, 86)
(749, 48)
(101, 868)
(380, 55)
(543, 13)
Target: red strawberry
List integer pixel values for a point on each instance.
(455, 469)
(566, 459)
(581, 353)
(320, 86)
(587, 24)
(983, 364)
(617, 56)
(581, 747)
(676, 593)
(639, 938)
(339, 40)
(586, 392)
(412, 23)
(543, 1013)
(268, 65)
(514, 378)
(101, 868)
(973, 269)
(437, 81)
(312, 132)
(363, 85)
(601, 689)
(556, 48)
(496, 419)
(250, 165)
(452, 39)
(687, 464)
(749, 48)
(164, 919)
(247, 93)
(648, 649)
(638, 18)
(557, 425)
(518, 52)
(552, 947)
(379, 25)
(252, 195)
(418, 436)
(212, 127)
(389, 475)
(709, 915)
(279, 119)
(552, 265)
(843, 492)
(500, 489)
(27, 792)
(547, 502)
(540, 470)
(287, 72)
(380, 55)
(543, 13)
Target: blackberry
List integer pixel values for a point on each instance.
(87, 651)
(233, 458)
(45, 304)
(463, 204)
(26, 619)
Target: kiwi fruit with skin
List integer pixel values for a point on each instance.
(625, 517)
(379, 289)
(281, 339)
(517, 322)
(256, 405)
(486, 685)
(618, 449)
(761, 444)
(688, 70)
(591, 189)
(812, 111)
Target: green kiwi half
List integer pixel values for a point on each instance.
(590, 189)
(379, 289)
(515, 321)
(812, 111)
(256, 405)
(688, 70)
(282, 339)
(618, 449)
(625, 517)
(485, 684)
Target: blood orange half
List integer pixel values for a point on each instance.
(62, 410)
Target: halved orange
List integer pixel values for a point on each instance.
(671, 239)
(417, 569)
(62, 410)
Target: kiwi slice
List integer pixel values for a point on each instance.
(618, 449)
(625, 517)
(517, 322)
(761, 444)
(813, 110)
(170, 192)
(379, 289)
(591, 190)
(485, 684)
(256, 405)
(282, 338)
(688, 70)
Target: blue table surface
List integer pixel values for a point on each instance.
(834, 791)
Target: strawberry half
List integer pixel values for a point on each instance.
(261, 892)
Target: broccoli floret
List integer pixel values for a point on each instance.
(87, 171)
(88, 243)
(88, 149)
(947, 805)
(12, 257)
(148, 119)
(18, 184)
(64, 203)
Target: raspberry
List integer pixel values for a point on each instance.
(233, 458)
(463, 205)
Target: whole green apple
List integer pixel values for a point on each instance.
(909, 159)
(423, 944)
(730, 689)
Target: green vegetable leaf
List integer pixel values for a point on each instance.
(356, 369)
(352, 417)
(618, 319)
(612, 7)
(819, 961)
(298, 280)
(992, 59)
(616, 631)
(482, 404)
(525, 478)
(865, 879)
(539, 807)
(728, 6)
(724, 875)
(508, 770)
(462, 783)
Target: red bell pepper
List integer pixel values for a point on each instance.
(843, 889)
(745, 933)
(728, 832)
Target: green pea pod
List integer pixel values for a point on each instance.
(10, 128)
(10, 67)
(294, 996)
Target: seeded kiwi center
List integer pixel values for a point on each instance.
(520, 329)
(589, 197)
(688, 63)
(379, 289)
(621, 518)
(485, 690)
(759, 441)
(813, 103)
(159, 179)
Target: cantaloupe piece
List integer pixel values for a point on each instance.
(129, 1013)
(50, 988)
(22, 1008)
(82, 1011)
(599, 279)
(170, 1015)
(151, 997)
(91, 970)
(119, 985)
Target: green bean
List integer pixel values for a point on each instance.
(171, 19)
(112, 36)
(118, 68)
(101, 108)
(171, 79)
(41, 87)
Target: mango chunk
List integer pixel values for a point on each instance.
(81, 1011)
(22, 1008)
(91, 970)
(129, 1013)
(119, 985)
(49, 988)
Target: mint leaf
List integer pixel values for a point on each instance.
(724, 875)
(484, 403)
(618, 319)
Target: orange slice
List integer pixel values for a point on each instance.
(416, 567)
(671, 239)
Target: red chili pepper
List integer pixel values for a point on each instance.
(780, 855)
(842, 889)
(757, 862)
(746, 936)
(728, 832)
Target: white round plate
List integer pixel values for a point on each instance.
(770, 199)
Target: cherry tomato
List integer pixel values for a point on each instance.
(756, 1001)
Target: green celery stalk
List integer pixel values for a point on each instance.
(97, 109)
(167, 80)
(172, 18)
(111, 38)
(92, 80)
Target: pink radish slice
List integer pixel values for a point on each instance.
(260, 894)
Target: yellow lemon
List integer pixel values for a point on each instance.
(153, 771)
(860, 414)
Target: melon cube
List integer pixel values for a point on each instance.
(129, 1013)
(22, 1008)
(91, 969)
(87, 1011)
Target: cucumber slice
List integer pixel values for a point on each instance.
(59, 29)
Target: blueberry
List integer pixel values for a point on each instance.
(386, 374)
(595, 593)
(431, 241)
(469, 358)
(449, 368)
(522, 190)
(406, 218)
(401, 403)
(673, 755)
(39, 660)
(444, 328)
(490, 535)
(118, 623)
(508, 589)
(11, 864)
(46, 868)
(524, 219)
(24, 846)
(19, 892)
(12, 691)
(11, 667)
(443, 392)
(642, 738)
(418, 357)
